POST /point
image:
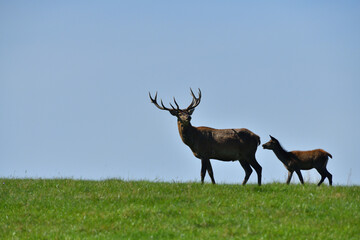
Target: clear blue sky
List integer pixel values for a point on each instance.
(75, 76)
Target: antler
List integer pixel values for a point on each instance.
(173, 111)
(154, 101)
(195, 102)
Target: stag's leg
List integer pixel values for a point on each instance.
(248, 170)
(300, 176)
(290, 173)
(203, 169)
(257, 168)
(210, 171)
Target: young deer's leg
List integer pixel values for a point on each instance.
(323, 176)
(290, 173)
(300, 176)
(210, 171)
(322, 179)
(329, 176)
(203, 169)
(324, 173)
(248, 170)
(257, 168)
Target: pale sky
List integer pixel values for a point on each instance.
(75, 77)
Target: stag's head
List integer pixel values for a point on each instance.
(183, 115)
(272, 144)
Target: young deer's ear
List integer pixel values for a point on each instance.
(272, 138)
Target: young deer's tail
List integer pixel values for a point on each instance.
(329, 154)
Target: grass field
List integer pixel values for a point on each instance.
(115, 209)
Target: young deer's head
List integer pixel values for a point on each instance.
(183, 115)
(272, 144)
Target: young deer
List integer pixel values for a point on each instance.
(209, 143)
(301, 160)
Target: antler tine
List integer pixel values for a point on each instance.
(196, 100)
(154, 101)
(162, 104)
(193, 100)
(192, 93)
(177, 105)
(172, 106)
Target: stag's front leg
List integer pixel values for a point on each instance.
(210, 171)
(203, 170)
(290, 173)
(300, 176)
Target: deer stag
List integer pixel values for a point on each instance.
(209, 143)
(305, 160)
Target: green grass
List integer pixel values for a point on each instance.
(115, 209)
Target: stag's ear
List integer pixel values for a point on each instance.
(191, 111)
(173, 112)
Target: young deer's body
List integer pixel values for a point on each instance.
(301, 160)
(221, 144)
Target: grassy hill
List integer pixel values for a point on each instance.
(115, 209)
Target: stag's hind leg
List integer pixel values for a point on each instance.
(248, 170)
(257, 168)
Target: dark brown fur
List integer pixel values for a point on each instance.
(301, 160)
(220, 144)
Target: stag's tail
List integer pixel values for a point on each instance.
(329, 154)
(258, 140)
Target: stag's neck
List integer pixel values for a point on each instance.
(187, 133)
(282, 154)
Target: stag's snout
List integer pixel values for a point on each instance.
(184, 117)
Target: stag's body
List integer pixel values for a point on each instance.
(220, 144)
(301, 160)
